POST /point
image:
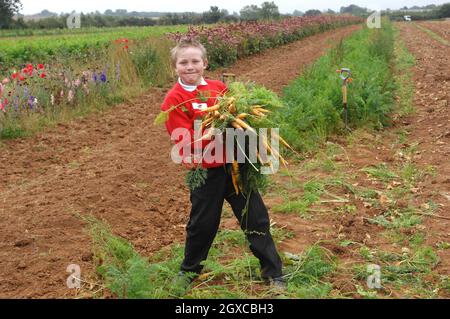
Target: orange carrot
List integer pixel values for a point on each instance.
(232, 108)
(207, 122)
(244, 125)
(212, 108)
(236, 125)
(257, 113)
(235, 175)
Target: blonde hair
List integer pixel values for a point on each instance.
(184, 43)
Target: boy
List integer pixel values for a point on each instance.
(192, 94)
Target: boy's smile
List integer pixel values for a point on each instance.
(190, 65)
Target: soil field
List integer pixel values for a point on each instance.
(115, 166)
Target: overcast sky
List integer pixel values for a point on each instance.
(285, 6)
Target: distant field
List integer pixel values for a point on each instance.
(46, 44)
(5, 34)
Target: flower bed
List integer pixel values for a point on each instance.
(228, 42)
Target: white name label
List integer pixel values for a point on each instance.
(199, 106)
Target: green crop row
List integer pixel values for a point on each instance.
(315, 100)
(19, 33)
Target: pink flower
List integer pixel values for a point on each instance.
(5, 81)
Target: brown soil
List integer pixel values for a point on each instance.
(430, 127)
(115, 166)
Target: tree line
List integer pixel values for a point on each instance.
(119, 18)
(427, 12)
(47, 20)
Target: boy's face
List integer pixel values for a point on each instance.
(190, 65)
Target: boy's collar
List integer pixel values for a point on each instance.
(191, 88)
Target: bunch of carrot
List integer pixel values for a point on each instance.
(247, 107)
(227, 114)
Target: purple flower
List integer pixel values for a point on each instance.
(94, 77)
(31, 101)
(16, 103)
(103, 77)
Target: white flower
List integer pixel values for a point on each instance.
(86, 89)
(70, 96)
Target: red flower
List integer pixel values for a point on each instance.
(15, 75)
(27, 72)
(42, 75)
(40, 66)
(126, 47)
(21, 77)
(124, 40)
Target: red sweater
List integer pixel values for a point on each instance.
(190, 109)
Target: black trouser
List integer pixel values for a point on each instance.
(207, 201)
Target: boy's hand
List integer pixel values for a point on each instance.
(189, 165)
(188, 162)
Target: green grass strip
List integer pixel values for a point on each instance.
(315, 100)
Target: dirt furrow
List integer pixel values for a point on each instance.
(430, 126)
